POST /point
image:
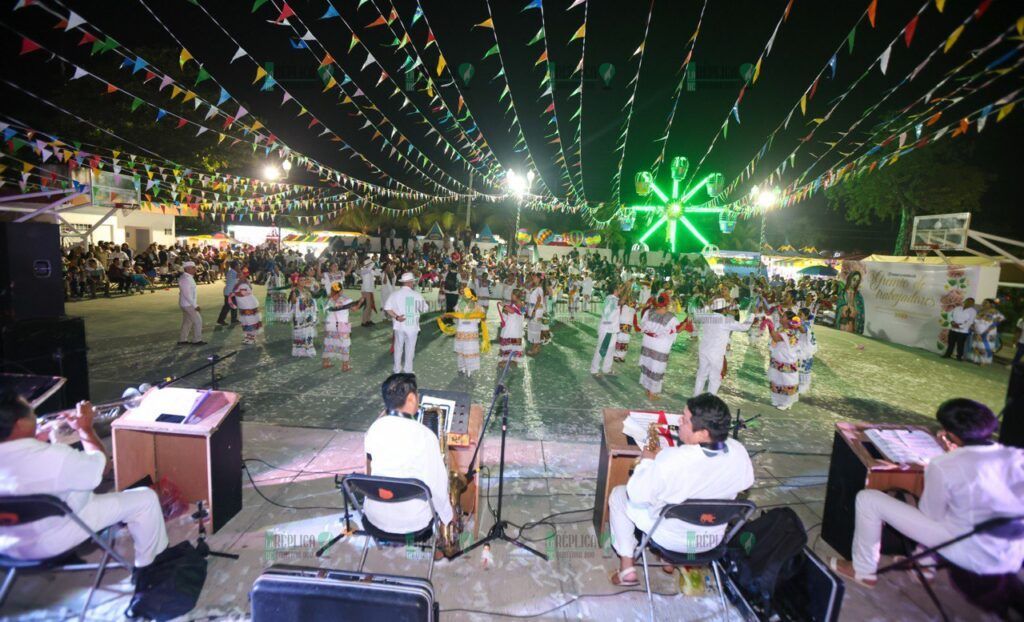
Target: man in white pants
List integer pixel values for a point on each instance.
(404, 308)
(29, 466)
(607, 335)
(976, 480)
(707, 465)
(368, 275)
(716, 329)
(191, 321)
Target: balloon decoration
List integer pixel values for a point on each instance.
(523, 237)
(592, 239)
(542, 236)
(574, 238)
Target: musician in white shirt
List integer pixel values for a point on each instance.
(29, 467)
(404, 308)
(976, 480)
(397, 445)
(707, 465)
(191, 321)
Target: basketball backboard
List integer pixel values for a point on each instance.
(940, 232)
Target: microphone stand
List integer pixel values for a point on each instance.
(213, 360)
(741, 424)
(498, 529)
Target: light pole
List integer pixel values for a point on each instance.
(765, 199)
(518, 186)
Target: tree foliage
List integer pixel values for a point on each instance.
(937, 179)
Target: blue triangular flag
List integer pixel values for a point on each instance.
(331, 12)
(223, 96)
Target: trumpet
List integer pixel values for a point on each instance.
(55, 426)
(653, 443)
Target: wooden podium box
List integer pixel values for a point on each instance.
(614, 465)
(854, 466)
(203, 459)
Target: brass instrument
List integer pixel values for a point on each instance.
(55, 427)
(448, 536)
(653, 442)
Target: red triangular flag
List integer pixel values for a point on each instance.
(978, 12)
(380, 21)
(86, 38)
(28, 45)
(871, 12)
(908, 32)
(286, 12)
(181, 123)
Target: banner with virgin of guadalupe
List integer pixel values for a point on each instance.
(908, 300)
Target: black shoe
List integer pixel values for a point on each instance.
(199, 343)
(233, 322)
(221, 323)
(184, 343)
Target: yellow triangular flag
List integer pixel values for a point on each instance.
(189, 96)
(184, 57)
(330, 84)
(952, 38)
(175, 91)
(803, 104)
(1020, 25)
(441, 62)
(487, 23)
(757, 71)
(255, 126)
(260, 74)
(1005, 110)
(940, 4)
(582, 32)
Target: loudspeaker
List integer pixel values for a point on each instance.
(48, 347)
(31, 271)
(1012, 430)
(284, 592)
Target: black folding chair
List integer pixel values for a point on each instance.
(705, 513)
(1009, 528)
(358, 486)
(24, 509)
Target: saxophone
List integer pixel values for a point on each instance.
(653, 443)
(448, 537)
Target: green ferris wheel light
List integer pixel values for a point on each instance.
(673, 209)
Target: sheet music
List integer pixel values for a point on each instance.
(904, 446)
(170, 401)
(636, 423)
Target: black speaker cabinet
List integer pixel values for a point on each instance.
(48, 347)
(1012, 430)
(31, 272)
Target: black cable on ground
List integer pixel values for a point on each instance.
(282, 505)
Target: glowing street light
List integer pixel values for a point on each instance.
(517, 184)
(271, 172)
(286, 165)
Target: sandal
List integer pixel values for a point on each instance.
(619, 579)
(668, 569)
(833, 564)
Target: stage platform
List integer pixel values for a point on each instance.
(543, 477)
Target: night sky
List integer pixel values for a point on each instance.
(733, 34)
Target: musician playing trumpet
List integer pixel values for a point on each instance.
(704, 463)
(29, 466)
(397, 445)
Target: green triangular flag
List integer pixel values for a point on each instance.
(492, 51)
(258, 4)
(537, 37)
(203, 75)
(849, 39)
(136, 103)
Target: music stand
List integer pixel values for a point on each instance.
(498, 529)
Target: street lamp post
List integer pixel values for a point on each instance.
(518, 186)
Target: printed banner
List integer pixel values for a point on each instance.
(907, 300)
